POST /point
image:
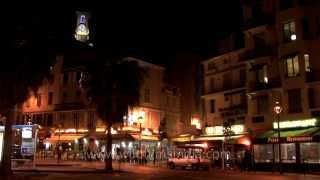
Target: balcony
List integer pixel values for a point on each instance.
(228, 86)
(234, 110)
(312, 76)
(272, 83)
(259, 21)
(69, 106)
(257, 52)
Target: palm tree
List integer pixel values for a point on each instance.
(29, 62)
(112, 86)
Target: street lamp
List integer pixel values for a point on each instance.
(278, 109)
(140, 118)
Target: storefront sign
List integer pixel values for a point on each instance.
(218, 130)
(291, 139)
(299, 139)
(273, 140)
(295, 124)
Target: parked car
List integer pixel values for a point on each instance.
(189, 162)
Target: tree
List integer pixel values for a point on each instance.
(29, 62)
(112, 85)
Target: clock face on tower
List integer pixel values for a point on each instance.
(82, 30)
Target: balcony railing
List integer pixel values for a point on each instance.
(312, 76)
(272, 83)
(257, 52)
(234, 110)
(69, 106)
(228, 86)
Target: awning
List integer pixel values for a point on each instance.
(64, 138)
(294, 135)
(290, 133)
(122, 137)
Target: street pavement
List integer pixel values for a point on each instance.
(47, 170)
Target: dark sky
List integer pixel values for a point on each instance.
(155, 31)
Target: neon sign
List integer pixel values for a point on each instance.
(295, 124)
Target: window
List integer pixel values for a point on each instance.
(78, 93)
(50, 98)
(258, 119)
(82, 19)
(50, 120)
(211, 84)
(294, 100)
(263, 74)
(289, 31)
(263, 104)
(292, 66)
(212, 106)
(306, 63)
(76, 120)
(147, 95)
(65, 78)
(38, 100)
(285, 4)
(310, 152)
(288, 153)
(305, 29)
(64, 96)
(311, 98)
(28, 102)
(227, 80)
(242, 75)
(211, 66)
(78, 77)
(91, 124)
(263, 153)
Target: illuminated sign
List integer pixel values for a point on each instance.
(299, 139)
(291, 139)
(297, 123)
(218, 130)
(27, 133)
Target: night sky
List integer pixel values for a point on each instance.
(150, 31)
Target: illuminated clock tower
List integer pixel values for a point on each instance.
(82, 28)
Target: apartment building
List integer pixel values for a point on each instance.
(278, 64)
(62, 110)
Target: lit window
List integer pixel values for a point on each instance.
(262, 74)
(307, 63)
(292, 66)
(289, 31)
(82, 19)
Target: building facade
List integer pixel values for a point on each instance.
(278, 64)
(61, 109)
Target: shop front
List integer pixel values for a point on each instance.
(299, 145)
(214, 141)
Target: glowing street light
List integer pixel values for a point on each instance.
(278, 109)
